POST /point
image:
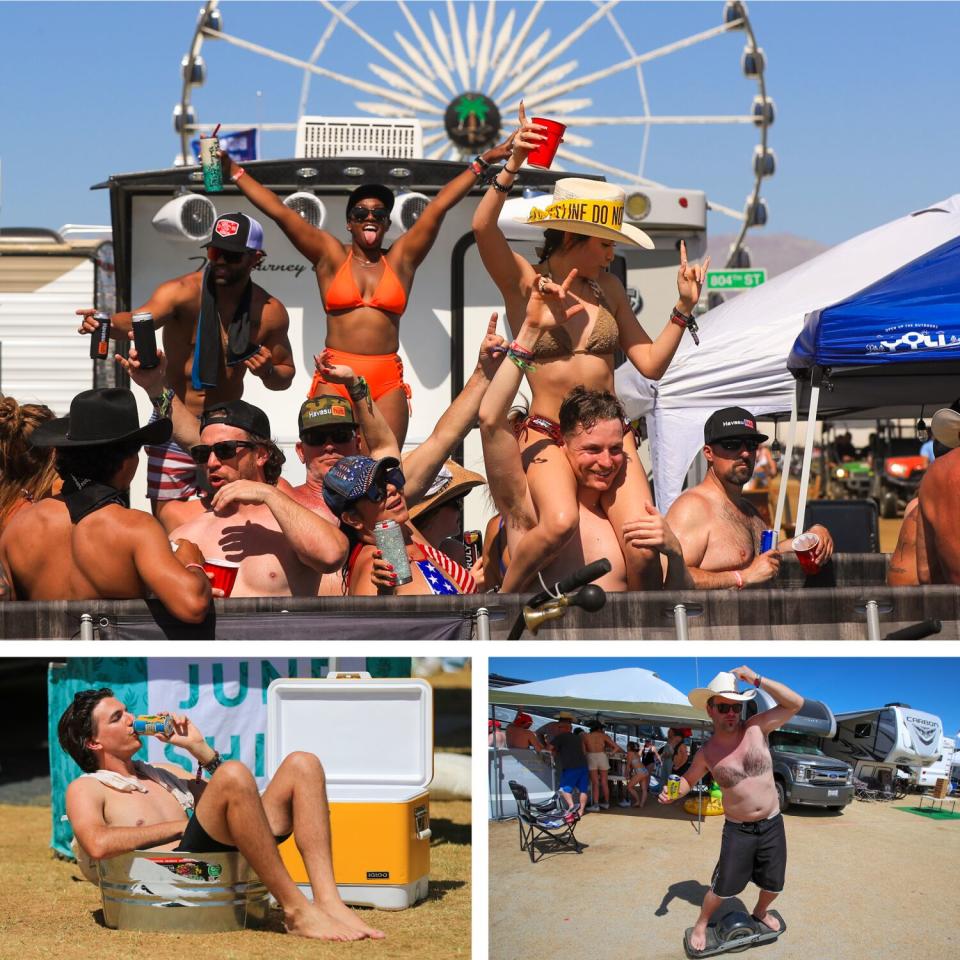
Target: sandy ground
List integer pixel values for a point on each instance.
(867, 884)
(47, 910)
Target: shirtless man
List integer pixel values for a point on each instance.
(754, 845)
(592, 428)
(282, 547)
(120, 805)
(84, 544)
(520, 736)
(241, 328)
(718, 529)
(595, 746)
(937, 529)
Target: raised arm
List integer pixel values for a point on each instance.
(652, 358)
(788, 702)
(314, 244)
(410, 250)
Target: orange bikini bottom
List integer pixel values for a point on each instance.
(383, 373)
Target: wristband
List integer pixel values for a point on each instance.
(739, 577)
(521, 352)
(211, 765)
(479, 159)
(195, 566)
(237, 174)
(688, 323)
(520, 362)
(163, 403)
(359, 390)
(475, 167)
(512, 173)
(756, 682)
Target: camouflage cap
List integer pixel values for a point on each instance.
(328, 410)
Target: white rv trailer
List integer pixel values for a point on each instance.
(451, 300)
(941, 768)
(885, 738)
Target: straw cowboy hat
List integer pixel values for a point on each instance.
(946, 425)
(566, 715)
(451, 482)
(722, 685)
(589, 207)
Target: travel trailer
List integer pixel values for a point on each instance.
(803, 773)
(884, 738)
(939, 769)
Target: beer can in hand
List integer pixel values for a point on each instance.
(768, 540)
(210, 162)
(390, 543)
(673, 787)
(100, 338)
(145, 340)
(151, 724)
(472, 547)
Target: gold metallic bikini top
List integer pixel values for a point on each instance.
(604, 338)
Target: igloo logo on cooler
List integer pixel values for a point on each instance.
(227, 228)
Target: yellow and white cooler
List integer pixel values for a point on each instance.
(374, 737)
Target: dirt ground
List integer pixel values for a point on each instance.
(870, 882)
(47, 910)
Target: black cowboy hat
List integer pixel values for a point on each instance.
(99, 417)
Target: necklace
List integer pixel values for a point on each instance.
(365, 263)
(594, 286)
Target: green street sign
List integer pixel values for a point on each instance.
(735, 279)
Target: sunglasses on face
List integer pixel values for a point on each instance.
(321, 436)
(727, 707)
(378, 490)
(224, 450)
(227, 256)
(359, 214)
(733, 446)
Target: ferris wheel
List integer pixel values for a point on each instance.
(461, 69)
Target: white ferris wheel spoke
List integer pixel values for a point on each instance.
(533, 50)
(639, 59)
(551, 76)
(582, 121)
(383, 109)
(521, 75)
(576, 140)
(727, 211)
(473, 35)
(424, 85)
(552, 107)
(433, 138)
(486, 39)
(393, 79)
(317, 50)
(413, 53)
(438, 153)
(413, 103)
(440, 38)
(459, 53)
(621, 175)
(508, 58)
(435, 60)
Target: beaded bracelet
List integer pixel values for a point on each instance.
(499, 187)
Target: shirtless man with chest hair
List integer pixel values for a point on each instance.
(595, 746)
(718, 529)
(754, 845)
(282, 547)
(120, 805)
(240, 328)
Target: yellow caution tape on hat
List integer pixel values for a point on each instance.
(603, 213)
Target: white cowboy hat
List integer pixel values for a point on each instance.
(722, 685)
(589, 207)
(946, 427)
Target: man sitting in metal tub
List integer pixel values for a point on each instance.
(120, 804)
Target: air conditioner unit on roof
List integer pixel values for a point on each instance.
(359, 137)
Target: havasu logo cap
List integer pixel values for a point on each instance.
(328, 410)
(731, 423)
(237, 233)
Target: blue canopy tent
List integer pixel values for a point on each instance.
(884, 352)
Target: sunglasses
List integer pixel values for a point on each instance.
(359, 214)
(321, 436)
(227, 256)
(378, 493)
(733, 446)
(224, 450)
(727, 707)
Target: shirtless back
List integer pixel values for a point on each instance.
(595, 741)
(938, 543)
(744, 770)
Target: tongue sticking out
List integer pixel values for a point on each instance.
(370, 233)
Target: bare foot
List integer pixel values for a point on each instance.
(768, 920)
(698, 937)
(340, 912)
(316, 924)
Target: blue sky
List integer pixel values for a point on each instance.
(865, 127)
(848, 683)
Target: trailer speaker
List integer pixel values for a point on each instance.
(307, 206)
(406, 211)
(186, 217)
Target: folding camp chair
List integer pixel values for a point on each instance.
(863, 790)
(544, 823)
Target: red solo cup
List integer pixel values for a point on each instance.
(542, 155)
(224, 574)
(803, 547)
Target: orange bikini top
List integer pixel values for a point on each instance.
(344, 294)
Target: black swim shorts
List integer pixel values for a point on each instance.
(751, 851)
(196, 840)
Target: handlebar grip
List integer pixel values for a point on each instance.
(578, 578)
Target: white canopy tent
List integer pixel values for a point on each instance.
(742, 357)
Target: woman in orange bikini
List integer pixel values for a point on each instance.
(364, 287)
(582, 225)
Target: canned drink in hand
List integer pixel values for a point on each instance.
(145, 340)
(391, 544)
(211, 164)
(768, 540)
(472, 547)
(152, 724)
(100, 338)
(673, 786)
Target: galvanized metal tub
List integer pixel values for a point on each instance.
(149, 890)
